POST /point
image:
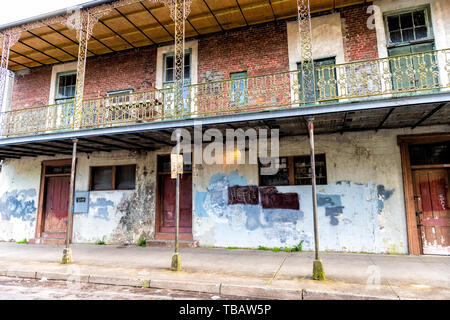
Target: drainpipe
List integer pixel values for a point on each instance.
(318, 272)
(67, 253)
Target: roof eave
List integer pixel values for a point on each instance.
(52, 14)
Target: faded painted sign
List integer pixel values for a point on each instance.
(243, 195)
(272, 199)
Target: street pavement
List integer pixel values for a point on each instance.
(32, 289)
(243, 272)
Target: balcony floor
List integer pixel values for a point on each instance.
(414, 111)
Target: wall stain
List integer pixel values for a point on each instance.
(333, 206)
(19, 204)
(276, 223)
(101, 207)
(137, 210)
(383, 195)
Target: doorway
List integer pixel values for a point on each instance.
(51, 226)
(166, 215)
(426, 177)
(432, 195)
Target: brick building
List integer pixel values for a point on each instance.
(380, 108)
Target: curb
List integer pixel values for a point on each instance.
(204, 287)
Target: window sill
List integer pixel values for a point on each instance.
(404, 44)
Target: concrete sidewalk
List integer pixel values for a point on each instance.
(241, 272)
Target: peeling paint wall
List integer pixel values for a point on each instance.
(114, 216)
(19, 191)
(361, 209)
(119, 216)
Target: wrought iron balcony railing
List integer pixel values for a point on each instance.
(426, 72)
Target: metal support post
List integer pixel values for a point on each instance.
(67, 253)
(318, 272)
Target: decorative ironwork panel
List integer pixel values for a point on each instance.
(305, 33)
(37, 120)
(179, 11)
(123, 109)
(426, 72)
(7, 40)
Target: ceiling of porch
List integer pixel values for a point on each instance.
(147, 23)
(135, 139)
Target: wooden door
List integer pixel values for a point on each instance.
(168, 189)
(432, 195)
(56, 205)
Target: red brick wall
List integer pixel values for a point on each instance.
(360, 42)
(257, 50)
(134, 69)
(32, 88)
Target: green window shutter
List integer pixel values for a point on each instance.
(325, 79)
(239, 88)
(412, 72)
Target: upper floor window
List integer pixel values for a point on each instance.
(409, 26)
(65, 86)
(239, 92)
(325, 79)
(119, 96)
(169, 68)
(411, 44)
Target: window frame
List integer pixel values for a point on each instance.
(241, 76)
(291, 170)
(169, 84)
(58, 79)
(112, 93)
(113, 177)
(428, 25)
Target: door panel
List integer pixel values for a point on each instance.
(168, 190)
(432, 193)
(56, 204)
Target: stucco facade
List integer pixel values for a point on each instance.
(361, 209)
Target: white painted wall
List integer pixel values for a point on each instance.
(327, 39)
(440, 19)
(9, 87)
(19, 192)
(357, 165)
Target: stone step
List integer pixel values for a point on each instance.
(171, 243)
(171, 236)
(53, 235)
(49, 240)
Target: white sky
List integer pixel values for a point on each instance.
(14, 10)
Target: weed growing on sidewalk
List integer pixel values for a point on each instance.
(142, 242)
(24, 241)
(101, 242)
(297, 248)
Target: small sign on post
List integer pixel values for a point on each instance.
(176, 165)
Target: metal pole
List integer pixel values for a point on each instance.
(67, 253)
(318, 273)
(177, 200)
(176, 258)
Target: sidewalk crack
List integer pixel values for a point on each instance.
(387, 281)
(278, 270)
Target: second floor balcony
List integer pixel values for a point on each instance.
(392, 77)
